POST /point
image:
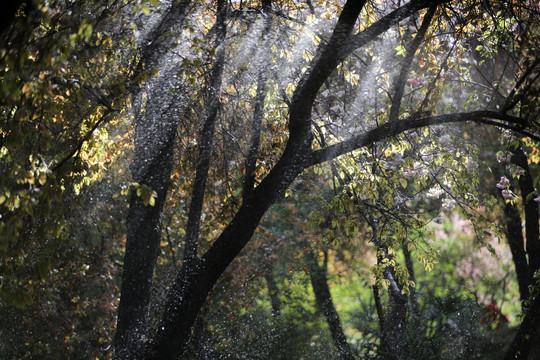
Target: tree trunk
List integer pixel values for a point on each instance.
(324, 302)
(392, 324)
(273, 291)
(258, 112)
(193, 284)
(514, 235)
(410, 269)
(527, 334)
(532, 227)
(152, 165)
(394, 320)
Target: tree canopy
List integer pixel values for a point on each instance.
(154, 153)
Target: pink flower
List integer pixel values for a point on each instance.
(504, 180)
(501, 186)
(414, 82)
(537, 199)
(507, 195)
(501, 159)
(519, 172)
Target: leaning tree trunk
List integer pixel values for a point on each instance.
(323, 299)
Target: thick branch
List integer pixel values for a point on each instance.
(192, 285)
(156, 43)
(325, 62)
(331, 54)
(205, 149)
(391, 129)
(258, 112)
(152, 164)
(386, 22)
(401, 80)
(511, 100)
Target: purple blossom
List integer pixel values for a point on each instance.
(414, 82)
(507, 195)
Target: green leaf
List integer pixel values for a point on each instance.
(401, 50)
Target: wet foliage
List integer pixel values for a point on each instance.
(269, 179)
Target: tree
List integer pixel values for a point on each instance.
(182, 76)
(195, 281)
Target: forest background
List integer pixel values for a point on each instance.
(269, 179)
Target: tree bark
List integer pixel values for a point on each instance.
(410, 269)
(399, 85)
(258, 112)
(193, 285)
(207, 135)
(273, 291)
(155, 135)
(532, 227)
(527, 334)
(514, 235)
(394, 320)
(152, 165)
(392, 324)
(529, 330)
(323, 299)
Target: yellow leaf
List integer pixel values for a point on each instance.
(403, 182)
(42, 178)
(2, 199)
(29, 178)
(26, 87)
